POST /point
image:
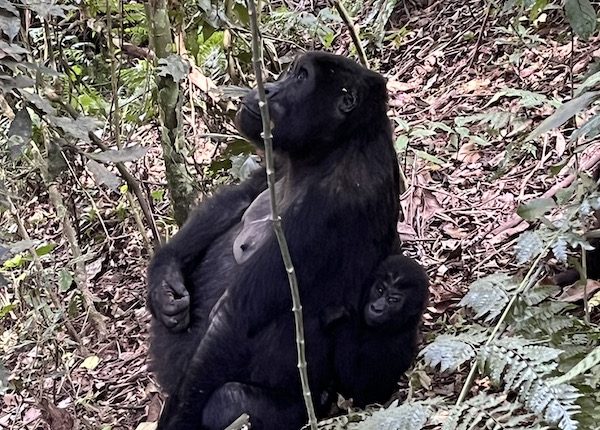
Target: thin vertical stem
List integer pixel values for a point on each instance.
(257, 60)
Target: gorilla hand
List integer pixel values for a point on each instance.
(168, 298)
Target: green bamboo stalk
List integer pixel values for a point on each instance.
(257, 62)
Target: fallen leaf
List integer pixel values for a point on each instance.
(577, 291)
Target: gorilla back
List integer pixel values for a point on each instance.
(338, 198)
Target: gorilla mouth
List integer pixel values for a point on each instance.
(253, 110)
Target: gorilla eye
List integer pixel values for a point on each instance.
(302, 74)
(380, 291)
(393, 300)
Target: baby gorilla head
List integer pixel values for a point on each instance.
(398, 294)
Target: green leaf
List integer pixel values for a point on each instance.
(537, 8)
(103, 176)
(401, 143)
(590, 129)
(5, 310)
(45, 249)
(428, 157)
(65, 280)
(534, 209)
(590, 82)
(591, 360)
(133, 153)
(581, 16)
(173, 65)
(563, 114)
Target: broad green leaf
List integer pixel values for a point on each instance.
(45, 249)
(174, 66)
(591, 360)
(133, 153)
(102, 175)
(65, 280)
(581, 16)
(4, 310)
(563, 114)
(537, 8)
(534, 209)
(401, 143)
(428, 157)
(589, 129)
(14, 262)
(90, 362)
(590, 82)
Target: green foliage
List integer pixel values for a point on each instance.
(582, 17)
(398, 417)
(572, 210)
(489, 412)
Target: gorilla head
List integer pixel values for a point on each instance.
(315, 100)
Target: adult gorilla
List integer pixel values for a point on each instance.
(337, 191)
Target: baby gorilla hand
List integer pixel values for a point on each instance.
(168, 298)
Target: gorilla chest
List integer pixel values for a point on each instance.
(256, 228)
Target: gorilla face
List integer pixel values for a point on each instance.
(314, 104)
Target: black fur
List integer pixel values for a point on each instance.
(372, 352)
(338, 197)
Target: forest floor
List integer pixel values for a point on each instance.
(459, 209)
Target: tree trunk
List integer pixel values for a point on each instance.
(181, 184)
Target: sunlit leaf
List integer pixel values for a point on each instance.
(91, 362)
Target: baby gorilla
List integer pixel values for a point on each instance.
(372, 352)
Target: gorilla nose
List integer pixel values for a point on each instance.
(375, 309)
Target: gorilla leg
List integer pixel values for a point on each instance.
(268, 409)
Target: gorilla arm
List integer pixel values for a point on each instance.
(168, 297)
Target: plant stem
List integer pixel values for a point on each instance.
(525, 284)
(257, 60)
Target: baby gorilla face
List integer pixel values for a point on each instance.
(386, 302)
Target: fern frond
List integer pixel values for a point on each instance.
(486, 411)
(556, 403)
(450, 351)
(545, 318)
(488, 296)
(522, 366)
(408, 416)
(539, 293)
(528, 246)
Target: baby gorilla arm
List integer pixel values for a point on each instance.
(168, 296)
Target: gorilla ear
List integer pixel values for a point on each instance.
(348, 101)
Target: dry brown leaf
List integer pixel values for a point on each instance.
(468, 153)
(475, 86)
(453, 231)
(57, 418)
(577, 291)
(561, 142)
